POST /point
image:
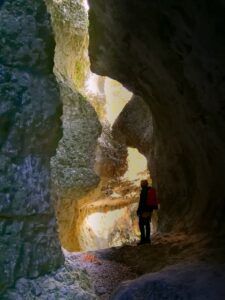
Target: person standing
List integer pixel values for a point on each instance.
(147, 203)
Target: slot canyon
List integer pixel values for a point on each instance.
(96, 96)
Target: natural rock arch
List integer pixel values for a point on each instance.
(171, 55)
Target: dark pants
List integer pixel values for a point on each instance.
(144, 225)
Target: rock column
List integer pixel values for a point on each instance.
(30, 110)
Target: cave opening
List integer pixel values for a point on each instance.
(105, 216)
(95, 173)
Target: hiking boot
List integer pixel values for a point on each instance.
(147, 241)
(140, 243)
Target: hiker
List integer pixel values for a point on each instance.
(147, 204)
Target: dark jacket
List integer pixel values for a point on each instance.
(142, 207)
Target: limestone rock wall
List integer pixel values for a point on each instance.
(30, 110)
(171, 53)
(73, 165)
(111, 155)
(70, 25)
(73, 174)
(134, 128)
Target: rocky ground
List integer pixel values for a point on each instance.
(105, 274)
(174, 266)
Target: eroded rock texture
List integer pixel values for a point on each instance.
(134, 128)
(67, 282)
(73, 166)
(70, 23)
(171, 53)
(111, 158)
(30, 111)
(73, 174)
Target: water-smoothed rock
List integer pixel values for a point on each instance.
(172, 55)
(30, 112)
(181, 281)
(111, 155)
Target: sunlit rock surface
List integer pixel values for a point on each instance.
(111, 220)
(72, 167)
(79, 166)
(110, 228)
(172, 55)
(111, 158)
(88, 156)
(111, 155)
(70, 25)
(73, 174)
(108, 218)
(134, 128)
(30, 112)
(117, 96)
(134, 125)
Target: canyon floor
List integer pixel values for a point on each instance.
(174, 266)
(108, 268)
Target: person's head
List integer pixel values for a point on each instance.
(144, 183)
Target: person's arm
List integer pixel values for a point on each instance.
(141, 201)
(139, 205)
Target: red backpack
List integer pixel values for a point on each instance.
(152, 199)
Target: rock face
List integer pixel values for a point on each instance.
(30, 112)
(70, 25)
(192, 281)
(111, 228)
(83, 157)
(172, 55)
(67, 282)
(73, 174)
(111, 158)
(73, 166)
(134, 128)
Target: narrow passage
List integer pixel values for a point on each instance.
(108, 268)
(105, 274)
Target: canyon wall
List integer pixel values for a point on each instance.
(171, 54)
(134, 128)
(70, 23)
(73, 174)
(82, 159)
(30, 110)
